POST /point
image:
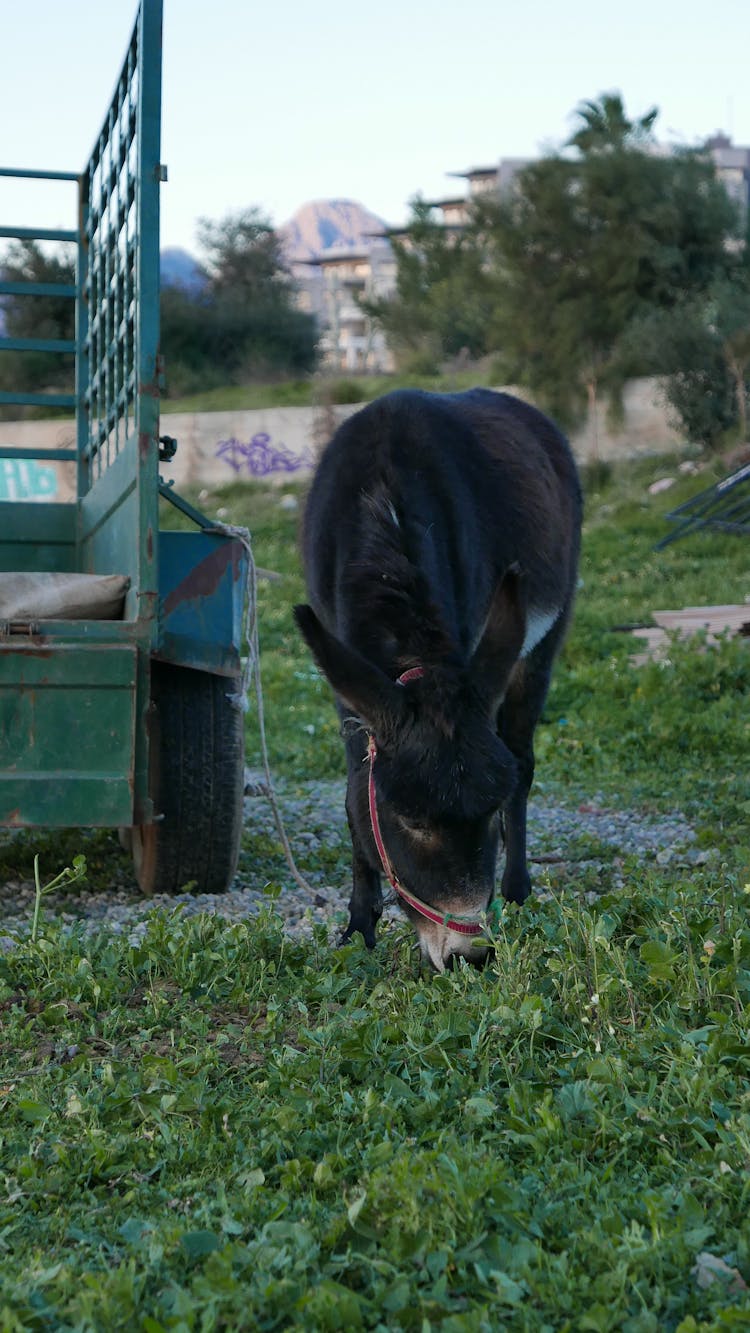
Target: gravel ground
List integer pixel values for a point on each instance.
(580, 847)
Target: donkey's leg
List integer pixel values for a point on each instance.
(520, 712)
(366, 902)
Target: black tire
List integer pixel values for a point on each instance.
(196, 781)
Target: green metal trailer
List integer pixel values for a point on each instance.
(126, 721)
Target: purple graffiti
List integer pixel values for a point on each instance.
(260, 456)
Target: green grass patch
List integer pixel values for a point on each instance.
(318, 390)
(218, 1127)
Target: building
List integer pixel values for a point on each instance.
(482, 182)
(338, 280)
(732, 167)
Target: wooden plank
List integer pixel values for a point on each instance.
(713, 620)
(651, 635)
(714, 617)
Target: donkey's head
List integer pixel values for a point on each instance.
(439, 773)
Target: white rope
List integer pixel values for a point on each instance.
(251, 672)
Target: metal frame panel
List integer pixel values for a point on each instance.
(66, 734)
(118, 328)
(113, 524)
(63, 290)
(724, 506)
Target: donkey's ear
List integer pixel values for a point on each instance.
(363, 687)
(502, 638)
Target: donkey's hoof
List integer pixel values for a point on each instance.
(516, 888)
(367, 933)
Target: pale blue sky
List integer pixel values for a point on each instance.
(278, 103)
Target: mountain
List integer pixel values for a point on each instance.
(328, 224)
(180, 269)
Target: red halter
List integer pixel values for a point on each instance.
(461, 925)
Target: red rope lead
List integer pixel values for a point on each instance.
(457, 924)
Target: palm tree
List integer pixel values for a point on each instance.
(605, 127)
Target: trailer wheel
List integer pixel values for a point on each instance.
(196, 781)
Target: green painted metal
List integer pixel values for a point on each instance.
(118, 344)
(75, 695)
(56, 345)
(22, 525)
(37, 344)
(38, 234)
(26, 174)
(66, 734)
(202, 579)
(57, 289)
(46, 665)
(51, 455)
(38, 399)
(69, 633)
(73, 737)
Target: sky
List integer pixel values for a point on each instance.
(274, 103)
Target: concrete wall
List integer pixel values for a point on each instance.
(280, 443)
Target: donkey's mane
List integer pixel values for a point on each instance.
(391, 593)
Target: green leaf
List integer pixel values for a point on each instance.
(576, 1099)
(197, 1244)
(659, 960)
(135, 1230)
(34, 1112)
(480, 1108)
(253, 1179)
(323, 1174)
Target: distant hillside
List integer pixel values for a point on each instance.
(327, 224)
(180, 269)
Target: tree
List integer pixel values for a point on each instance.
(702, 347)
(605, 128)
(697, 384)
(442, 304)
(244, 325)
(728, 311)
(242, 256)
(37, 317)
(589, 243)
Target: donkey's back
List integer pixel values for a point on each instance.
(463, 486)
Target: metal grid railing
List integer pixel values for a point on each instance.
(724, 507)
(27, 288)
(119, 259)
(117, 284)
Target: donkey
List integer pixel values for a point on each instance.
(440, 544)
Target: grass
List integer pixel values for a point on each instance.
(312, 391)
(317, 389)
(220, 1128)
